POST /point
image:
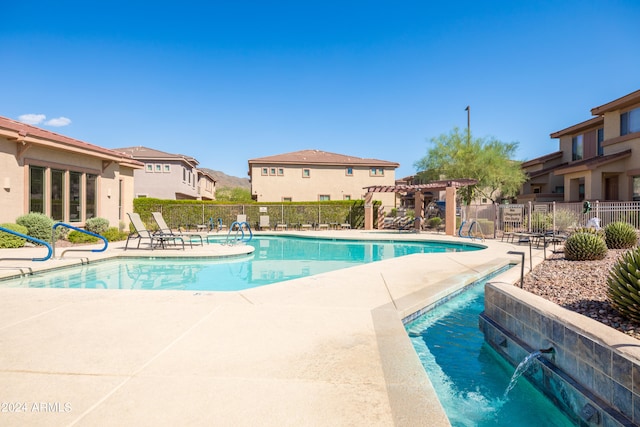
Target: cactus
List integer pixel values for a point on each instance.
(584, 247)
(620, 235)
(624, 285)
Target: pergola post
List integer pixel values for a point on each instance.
(368, 211)
(418, 202)
(450, 211)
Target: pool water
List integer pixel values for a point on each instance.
(275, 259)
(469, 377)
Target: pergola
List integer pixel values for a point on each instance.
(449, 185)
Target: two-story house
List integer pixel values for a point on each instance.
(64, 178)
(170, 176)
(314, 175)
(600, 157)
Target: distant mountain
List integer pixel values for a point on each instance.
(224, 180)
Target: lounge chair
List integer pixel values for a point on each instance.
(165, 230)
(264, 223)
(141, 232)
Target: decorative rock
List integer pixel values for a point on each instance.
(580, 286)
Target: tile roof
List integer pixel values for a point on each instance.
(591, 163)
(146, 153)
(580, 127)
(617, 104)
(317, 157)
(21, 131)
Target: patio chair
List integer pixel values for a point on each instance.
(140, 232)
(165, 230)
(264, 223)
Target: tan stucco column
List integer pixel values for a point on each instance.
(418, 201)
(368, 211)
(450, 212)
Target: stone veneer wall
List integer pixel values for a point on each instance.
(594, 370)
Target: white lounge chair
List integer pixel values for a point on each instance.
(165, 230)
(140, 232)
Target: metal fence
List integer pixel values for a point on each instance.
(542, 217)
(193, 216)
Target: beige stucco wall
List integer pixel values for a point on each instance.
(166, 185)
(11, 174)
(322, 180)
(15, 200)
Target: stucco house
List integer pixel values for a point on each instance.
(169, 176)
(599, 160)
(314, 175)
(64, 178)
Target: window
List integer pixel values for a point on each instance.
(36, 189)
(90, 195)
(577, 147)
(636, 188)
(57, 195)
(559, 189)
(346, 197)
(600, 137)
(324, 198)
(287, 199)
(184, 175)
(272, 171)
(376, 172)
(167, 168)
(306, 173)
(349, 171)
(158, 167)
(280, 171)
(148, 167)
(630, 122)
(265, 171)
(75, 192)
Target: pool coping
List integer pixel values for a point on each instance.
(329, 344)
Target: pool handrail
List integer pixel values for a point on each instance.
(239, 230)
(31, 239)
(81, 230)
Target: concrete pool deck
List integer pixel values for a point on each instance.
(323, 350)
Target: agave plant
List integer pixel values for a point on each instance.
(624, 285)
(620, 235)
(584, 247)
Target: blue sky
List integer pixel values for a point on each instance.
(227, 81)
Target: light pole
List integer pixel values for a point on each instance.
(468, 110)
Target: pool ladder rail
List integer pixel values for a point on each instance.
(241, 226)
(468, 231)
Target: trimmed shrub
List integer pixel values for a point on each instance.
(584, 247)
(114, 235)
(434, 222)
(97, 225)
(38, 225)
(620, 235)
(8, 240)
(80, 237)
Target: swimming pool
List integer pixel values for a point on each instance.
(469, 377)
(275, 259)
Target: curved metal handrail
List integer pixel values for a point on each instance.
(63, 224)
(239, 230)
(31, 239)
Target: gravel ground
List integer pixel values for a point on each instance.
(580, 286)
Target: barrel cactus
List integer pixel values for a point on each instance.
(620, 235)
(584, 247)
(624, 285)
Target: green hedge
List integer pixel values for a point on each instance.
(190, 213)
